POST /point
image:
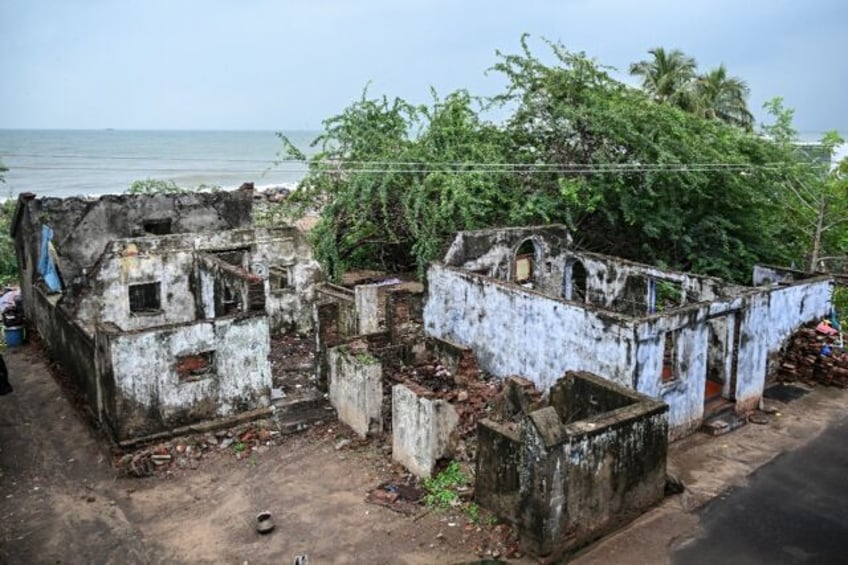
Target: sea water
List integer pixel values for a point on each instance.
(66, 163)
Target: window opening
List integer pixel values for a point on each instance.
(525, 259)
(256, 296)
(279, 278)
(158, 227)
(575, 281)
(195, 367)
(235, 257)
(669, 368)
(668, 295)
(145, 298)
(229, 299)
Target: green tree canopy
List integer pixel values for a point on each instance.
(393, 181)
(672, 77)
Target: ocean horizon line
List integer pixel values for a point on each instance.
(165, 130)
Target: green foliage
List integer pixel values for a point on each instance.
(815, 198)
(442, 489)
(840, 302)
(8, 258)
(155, 186)
(671, 77)
(393, 182)
(665, 186)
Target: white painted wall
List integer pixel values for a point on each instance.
(772, 316)
(516, 332)
(143, 365)
(356, 390)
(422, 430)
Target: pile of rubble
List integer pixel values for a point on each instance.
(292, 359)
(472, 399)
(186, 452)
(815, 354)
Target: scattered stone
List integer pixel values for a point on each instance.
(341, 444)
(673, 484)
(759, 418)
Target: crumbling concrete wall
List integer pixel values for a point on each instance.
(67, 342)
(514, 331)
(367, 301)
(189, 285)
(684, 390)
(569, 472)
(83, 227)
(133, 262)
(404, 309)
(355, 383)
(172, 376)
(768, 275)
(284, 253)
(771, 316)
(422, 428)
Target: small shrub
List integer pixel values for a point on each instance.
(155, 186)
(441, 489)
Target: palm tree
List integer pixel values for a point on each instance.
(724, 98)
(669, 77)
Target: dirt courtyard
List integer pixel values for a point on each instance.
(62, 502)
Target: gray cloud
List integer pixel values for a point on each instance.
(271, 65)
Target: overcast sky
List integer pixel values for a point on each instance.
(284, 64)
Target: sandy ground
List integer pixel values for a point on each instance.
(62, 502)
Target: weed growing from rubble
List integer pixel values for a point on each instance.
(442, 489)
(840, 301)
(473, 512)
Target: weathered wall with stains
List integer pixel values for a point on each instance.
(355, 384)
(84, 226)
(132, 262)
(289, 307)
(765, 275)
(152, 395)
(67, 342)
(422, 428)
(589, 477)
(514, 331)
(188, 293)
(770, 317)
(623, 286)
(491, 252)
(684, 392)
(566, 473)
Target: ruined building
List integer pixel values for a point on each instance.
(161, 306)
(527, 303)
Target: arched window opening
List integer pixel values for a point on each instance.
(576, 277)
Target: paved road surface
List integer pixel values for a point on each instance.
(795, 510)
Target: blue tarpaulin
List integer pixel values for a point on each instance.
(46, 265)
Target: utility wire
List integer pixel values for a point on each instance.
(383, 166)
